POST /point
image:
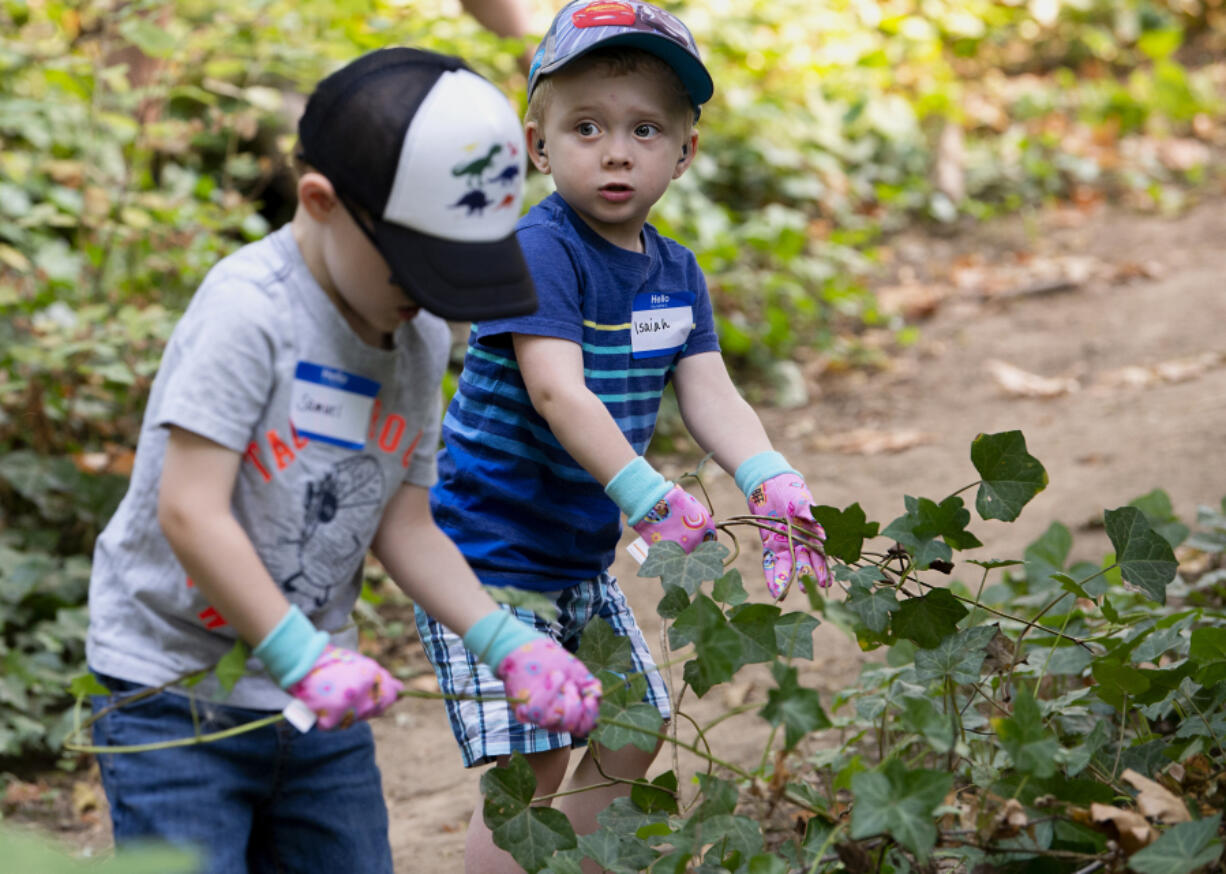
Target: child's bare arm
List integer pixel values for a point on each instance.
(553, 374)
(725, 424)
(198, 479)
(716, 415)
(552, 688)
(424, 562)
(655, 507)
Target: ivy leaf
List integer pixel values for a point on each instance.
(913, 531)
(1024, 737)
(566, 862)
(1181, 849)
(86, 684)
(669, 562)
(872, 605)
(958, 656)
(928, 619)
(767, 864)
(898, 801)
(674, 601)
(755, 623)
(717, 647)
(1156, 506)
(605, 848)
(797, 709)
(1145, 558)
(1208, 653)
(602, 649)
(530, 834)
(1115, 681)
(1011, 476)
(732, 839)
(729, 589)
(625, 718)
(864, 576)
(794, 635)
(232, 666)
(624, 817)
(719, 798)
(660, 795)
(921, 716)
(846, 531)
(1046, 556)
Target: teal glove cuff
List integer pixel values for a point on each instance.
(757, 469)
(636, 488)
(291, 648)
(496, 635)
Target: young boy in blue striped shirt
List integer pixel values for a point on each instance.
(544, 439)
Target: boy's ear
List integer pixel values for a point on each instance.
(534, 140)
(688, 149)
(317, 196)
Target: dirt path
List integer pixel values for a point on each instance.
(1118, 317)
(1127, 310)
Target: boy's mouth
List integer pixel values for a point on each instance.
(616, 192)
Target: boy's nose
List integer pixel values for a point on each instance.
(616, 153)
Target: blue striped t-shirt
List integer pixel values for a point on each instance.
(521, 509)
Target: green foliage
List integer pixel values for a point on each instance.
(25, 852)
(998, 726)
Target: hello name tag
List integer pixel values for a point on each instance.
(331, 405)
(660, 322)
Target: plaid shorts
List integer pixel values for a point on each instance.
(487, 729)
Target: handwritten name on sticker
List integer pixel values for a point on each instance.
(660, 323)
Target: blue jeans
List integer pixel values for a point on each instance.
(269, 801)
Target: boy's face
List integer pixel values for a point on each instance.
(612, 143)
(353, 272)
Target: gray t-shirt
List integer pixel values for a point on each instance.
(263, 363)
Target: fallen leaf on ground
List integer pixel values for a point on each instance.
(1156, 801)
(1173, 370)
(1133, 830)
(911, 300)
(869, 441)
(1009, 820)
(1023, 383)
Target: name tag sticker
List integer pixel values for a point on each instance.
(660, 323)
(331, 406)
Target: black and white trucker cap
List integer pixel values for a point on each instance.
(428, 158)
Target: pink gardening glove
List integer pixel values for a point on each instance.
(679, 517)
(787, 497)
(554, 690)
(343, 686)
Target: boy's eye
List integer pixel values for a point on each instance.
(645, 130)
(585, 129)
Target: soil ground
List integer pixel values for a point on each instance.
(1115, 321)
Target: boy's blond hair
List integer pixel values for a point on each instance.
(612, 61)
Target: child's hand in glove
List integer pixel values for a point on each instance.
(343, 686)
(553, 688)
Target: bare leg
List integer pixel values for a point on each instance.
(481, 856)
(627, 763)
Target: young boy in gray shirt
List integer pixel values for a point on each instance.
(292, 428)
